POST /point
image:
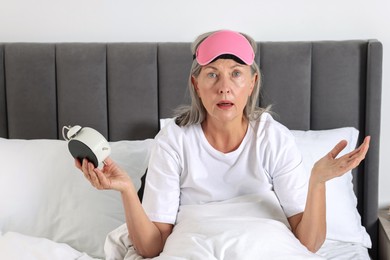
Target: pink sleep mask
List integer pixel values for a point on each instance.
(225, 42)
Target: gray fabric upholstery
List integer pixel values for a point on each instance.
(174, 64)
(30, 75)
(368, 193)
(292, 75)
(81, 85)
(122, 89)
(132, 80)
(3, 105)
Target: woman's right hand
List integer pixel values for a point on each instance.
(110, 177)
(147, 236)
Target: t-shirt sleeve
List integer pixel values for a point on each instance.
(290, 181)
(161, 197)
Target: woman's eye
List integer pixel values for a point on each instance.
(212, 75)
(236, 73)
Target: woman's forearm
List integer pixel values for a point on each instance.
(311, 230)
(311, 227)
(146, 237)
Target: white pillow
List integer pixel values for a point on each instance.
(43, 194)
(343, 219)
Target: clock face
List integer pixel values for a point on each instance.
(79, 151)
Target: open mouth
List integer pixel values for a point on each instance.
(225, 104)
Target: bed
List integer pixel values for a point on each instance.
(321, 90)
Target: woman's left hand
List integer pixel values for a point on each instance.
(330, 167)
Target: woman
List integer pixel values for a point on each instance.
(222, 147)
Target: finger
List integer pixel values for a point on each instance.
(354, 158)
(364, 148)
(352, 163)
(84, 168)
(104, 182)
(365, 144)
(366, 141)
(109, 165)
(92, 174)
(77, 163)
(361, 151)
(108, 160)
(338, 148)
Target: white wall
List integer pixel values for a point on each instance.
(179, 20)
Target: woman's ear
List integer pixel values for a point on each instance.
(255, 78)
(194, 83)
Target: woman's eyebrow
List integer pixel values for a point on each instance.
(238, 65)
(210, 67)
(231, 67)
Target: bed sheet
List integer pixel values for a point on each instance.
(336, 250)
(16, 246)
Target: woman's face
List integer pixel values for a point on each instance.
(224, 87)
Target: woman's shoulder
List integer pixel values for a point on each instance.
(169, 127)
(172, 133)
(274, 138)
(266, 124)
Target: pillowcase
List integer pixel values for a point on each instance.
(343, 219)
(43, 194)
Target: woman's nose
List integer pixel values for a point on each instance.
(224, 86)
(224, 91)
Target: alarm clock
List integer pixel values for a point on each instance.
(86, 142)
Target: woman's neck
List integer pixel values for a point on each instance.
(225, 136)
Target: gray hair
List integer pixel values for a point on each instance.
(196, 112)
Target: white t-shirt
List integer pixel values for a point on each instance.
(185, 169)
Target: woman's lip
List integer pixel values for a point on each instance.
(225, 104)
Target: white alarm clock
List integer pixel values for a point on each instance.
(86, 142)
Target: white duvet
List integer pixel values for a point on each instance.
(249, 227)
(234, 238)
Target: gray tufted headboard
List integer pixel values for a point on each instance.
(122, 89)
